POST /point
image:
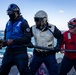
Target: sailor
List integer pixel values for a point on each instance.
(16, 35)
(44, 34)
(69, 43)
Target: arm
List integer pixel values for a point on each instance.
(31, 32)
(3, 42)
(58, 36)
(27, 35)
(63, 42)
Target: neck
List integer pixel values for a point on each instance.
(74, 33)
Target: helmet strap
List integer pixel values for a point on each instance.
(45, 20)
(16, 14)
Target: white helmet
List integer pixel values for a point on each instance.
(41, 16)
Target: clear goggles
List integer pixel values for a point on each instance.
(71, 26)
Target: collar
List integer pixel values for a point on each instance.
(44, 28)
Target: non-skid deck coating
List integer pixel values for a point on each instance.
(14, 71)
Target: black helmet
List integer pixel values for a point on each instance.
(13, 8)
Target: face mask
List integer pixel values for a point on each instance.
(12, 16)
(38, 25)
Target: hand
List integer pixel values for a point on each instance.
(62, 51)
(1, 41)
(30, 45)
(1, 45)
(10, 42)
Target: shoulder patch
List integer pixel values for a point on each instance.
(27, 29)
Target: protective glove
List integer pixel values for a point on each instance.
(1, 45)
(57, 48)
(1, 41)
(30, 45)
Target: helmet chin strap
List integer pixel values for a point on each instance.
(42, 27)
(16, 15)
(44, 21)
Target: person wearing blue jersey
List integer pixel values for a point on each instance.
(44, 34)
(16, 36)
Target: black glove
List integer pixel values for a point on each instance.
(30, 45)
(57, 48)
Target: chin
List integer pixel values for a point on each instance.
(71, 31)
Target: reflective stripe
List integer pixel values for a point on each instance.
(69, 36)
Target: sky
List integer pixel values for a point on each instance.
(59, 11)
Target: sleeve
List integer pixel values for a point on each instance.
(4, 34)
(58, 35)
(27, 35)
(5, 42)
(63, 42)
(31, 32)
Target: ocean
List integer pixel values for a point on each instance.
(30, 50)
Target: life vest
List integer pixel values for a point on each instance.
(70, 44)
(43, 38)
(14, 31)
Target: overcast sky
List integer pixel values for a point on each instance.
(59, 11)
